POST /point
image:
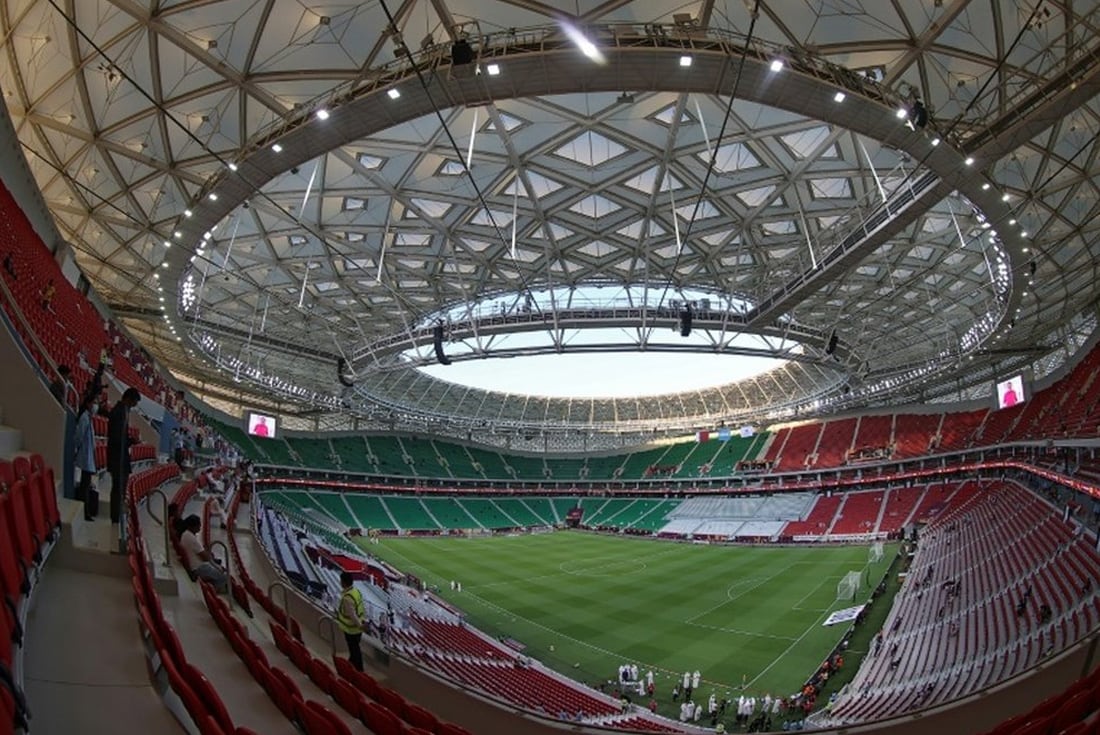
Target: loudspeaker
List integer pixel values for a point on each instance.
(462, 52)
(830, 348)
(341, 366)
(437, 338)
(685, 323)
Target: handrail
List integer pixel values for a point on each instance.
(286, 596)
(332, 628)
(163, 521)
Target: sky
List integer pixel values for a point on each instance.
(608, 375)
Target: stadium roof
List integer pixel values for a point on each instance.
(302, 183)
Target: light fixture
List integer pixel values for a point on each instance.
(187, 213)
(1026, 250)
(1012, 222)
(901, 113)
(277, 148)
(985, 186)
(1005, 197)
(212, 197)
(838, 97)
(322, 114)
(1023, 234)
(493, 69)
(935, 142)
(394, 93)
(232, 166)
(164, 264)
(776, 65)
(177, 234)
(685, 60)
(969, 161)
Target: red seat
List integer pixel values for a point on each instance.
(319, 720)
(22, 467)
(392, 701)
(299, 654)
(285, 693)
(446, 728)
(417, 716)
(321, 675)
(13, 578)
(7, 474)
(206, 692)
(348, 697)
(49, 498)
(381, 720)
(17, 517)
(1072, 711)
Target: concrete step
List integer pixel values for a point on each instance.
(11, 441)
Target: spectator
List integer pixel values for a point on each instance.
(47, 295)
(349, 616)
(198, 560)
(174, 521)
(118, 448)
(84, 457)
(62, 387)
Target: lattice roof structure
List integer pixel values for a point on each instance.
(301, 184)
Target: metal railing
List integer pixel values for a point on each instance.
(321, 626)
(162, 521)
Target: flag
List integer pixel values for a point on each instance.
(746, 432)
(703, 436)
(724, 434)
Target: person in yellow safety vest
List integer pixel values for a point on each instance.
(349, 616)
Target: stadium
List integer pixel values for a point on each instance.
(455, 367)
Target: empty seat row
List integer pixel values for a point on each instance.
(29, 521)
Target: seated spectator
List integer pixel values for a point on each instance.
(199, 561)
(47, 294)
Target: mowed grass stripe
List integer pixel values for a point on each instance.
(751, 613)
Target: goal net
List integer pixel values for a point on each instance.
(876, 553)
(849, 585)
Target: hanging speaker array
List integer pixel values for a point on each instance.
(437, 339)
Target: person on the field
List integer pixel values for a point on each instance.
(695, 677)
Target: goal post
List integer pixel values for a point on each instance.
(876, 553)
(849, 585)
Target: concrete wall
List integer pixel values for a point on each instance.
(27, 403)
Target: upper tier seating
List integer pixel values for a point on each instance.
(799, 448)
(859, 513)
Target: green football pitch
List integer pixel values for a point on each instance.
(585, 603)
